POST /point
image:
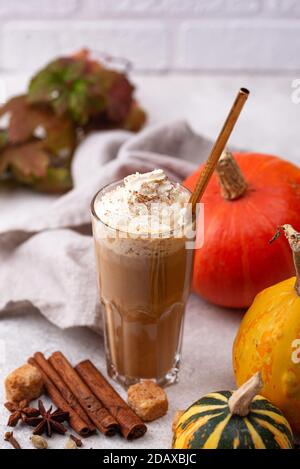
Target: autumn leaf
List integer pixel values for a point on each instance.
(3, 143)
(34, 140)
(27, 162)
(3, 138)
(68, 98)
(26, 121)
(119, 98)
(31, 164)
(135, 119)
(62, 85)
(20, 124)
(82, 88)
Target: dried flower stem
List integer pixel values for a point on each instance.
(9, 436)
(78, 441)
(293, 238)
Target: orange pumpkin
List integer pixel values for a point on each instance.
(246, 198)
(268, 341)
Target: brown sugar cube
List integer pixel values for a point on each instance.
(148, 400)
(24, 383)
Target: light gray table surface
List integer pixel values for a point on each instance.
(269, 124)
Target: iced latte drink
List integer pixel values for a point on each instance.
(144, 271)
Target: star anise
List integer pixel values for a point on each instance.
(20, 411)
(48, 421)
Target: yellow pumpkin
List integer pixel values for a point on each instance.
(269, 340)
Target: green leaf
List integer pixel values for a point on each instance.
(83, 88)
(78, 98)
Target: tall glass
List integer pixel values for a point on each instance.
(144, 283)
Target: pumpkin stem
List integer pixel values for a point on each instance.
(231, 179)
(293, 238)
(240, 401)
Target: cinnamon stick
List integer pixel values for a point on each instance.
(63, 389)
(131, 425)
(92, 406)
(75, 421)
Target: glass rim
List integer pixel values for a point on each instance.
(120, 181)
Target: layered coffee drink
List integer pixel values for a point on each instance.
(144, 270)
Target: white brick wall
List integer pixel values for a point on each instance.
(239, 45)
(156, 35)
(38, 8)
(28, 44)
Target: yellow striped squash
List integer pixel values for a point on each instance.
(210, 424)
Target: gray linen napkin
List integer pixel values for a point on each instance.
(47, 262)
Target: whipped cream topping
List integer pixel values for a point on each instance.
(144, 203)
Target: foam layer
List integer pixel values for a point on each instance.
(146, 203)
